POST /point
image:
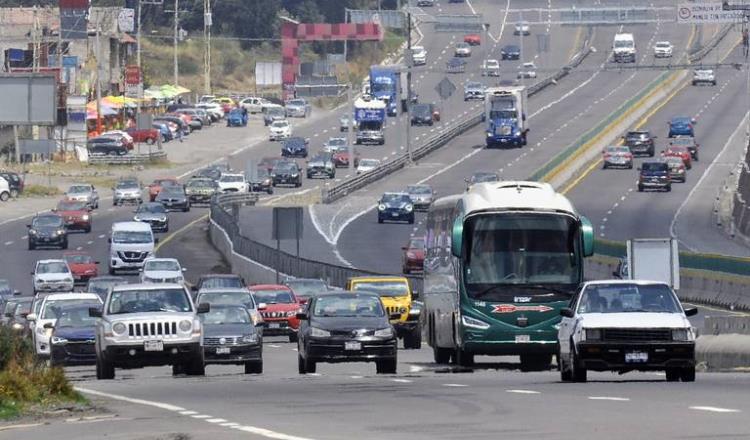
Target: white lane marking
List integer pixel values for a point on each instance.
(614, 399)
(672, 225)
(24, 237)
(522, 392)
(274, 345)
(102, 236)
(188, 413)
(415, 369)
(714, 409)
(356, 377)
(229, 424)
(314, 374)
(216, 420)
(401, 380)
(8, 243)
(454, 385)
(89, 242)
(166, 406)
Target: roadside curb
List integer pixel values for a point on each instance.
(723, 352)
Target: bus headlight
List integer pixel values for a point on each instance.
(468, 321)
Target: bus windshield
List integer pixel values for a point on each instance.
(537, 254)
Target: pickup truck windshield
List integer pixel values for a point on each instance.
(149, 300)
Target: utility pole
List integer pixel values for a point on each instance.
(97, 57)
(138, 60)
(35, 42)
(409, 64)
(207, 22)
(350, 106)
(176, 38)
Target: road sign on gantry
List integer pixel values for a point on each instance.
(705, 13)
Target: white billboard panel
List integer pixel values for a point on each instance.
(33, 97)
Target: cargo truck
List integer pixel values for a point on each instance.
(388, 83)
(505, 116)
(369, 118)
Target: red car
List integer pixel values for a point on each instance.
(278, 306)
(413, 258)
(82, 265)
(149, 136)
(679, 151)
(155, 188)
(341, 157)
(77, 215)
(473, 39)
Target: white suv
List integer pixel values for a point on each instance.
(279, 130)
(43, 323)
(52, 276)
(704, 76)
(4, 190)
(162, 270)
(145, 325)
(232, 182)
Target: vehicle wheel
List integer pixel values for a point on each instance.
(406, 271)
(88, 229)
(65, 245)
(411, 220)
(673, 374)
(300, 364)
(441, 355)
(178, 369)
(630, 167)
(112, 271)
(31, 246)
(310, 366)
(298, 184)
(293, 337)
(668, 189)
(566, 375)
(13, 193)
(694, 83)
(651, 152)
(186, 209)
(604, 166)
(270, 190)
(577, 371)
(695, 158)
(196, 367)
(386, 367)
(380, 220)
(413, 339)
(687, 374)
(254, 367)
(535, 362)
(104, 369)
(150, 141)
(463, 358)
(640, 188)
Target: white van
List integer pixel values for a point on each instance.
(131, 243)
(623, 48)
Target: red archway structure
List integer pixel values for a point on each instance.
(293, 32)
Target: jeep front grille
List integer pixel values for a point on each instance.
(144, 329)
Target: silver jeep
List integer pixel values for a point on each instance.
(145, 325)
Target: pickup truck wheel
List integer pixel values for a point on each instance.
(565, 374)
(300, 364)
(178, 369)
(673, 374)
(293, 337)
(386, 367)
(578, 372)
(196, 367)
(687, 374)
(254, 367)
(310, 366)
(104, 369)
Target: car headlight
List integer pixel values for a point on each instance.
(489, 134)
(593, 334)
(85, 217)
(185, 325)
(60, 231)
(468, 321)
(319, 333)
(681, 334)
(119, 328)
(32, 231)
(409, 208)
(295, 174)
(68, 280)
(384, 333)
(56, 340)
(291, 313)
(17, 327)
(250, 339)
(136, 218)
(381, 207)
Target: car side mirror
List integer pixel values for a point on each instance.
(654, 137)
(97, 262)
(302, 316)
(31, 317)
(616, 274)
(95, 312)
(394, 316)
(54, 209)
(184, 269)
(32, 272)
(8, 315)
(194, 288)
(567, 312)
(109, 240)
(639, 168)
(415, 295)
(156, 240)
(48, 325)
(691, 311)
(403, 248)
(262, 306)
(204, 308)
(16, 293)
(28, 226)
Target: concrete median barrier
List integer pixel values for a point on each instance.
(724, 344)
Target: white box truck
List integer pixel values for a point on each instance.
(654, 259)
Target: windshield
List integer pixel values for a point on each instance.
(619, 298)
(75, 317)
(370, 125)
(416, 243)
(132, 237)
(618, 150)
(172, 191)
(153, 208)
(421, 110)
(79, 259)
(47, 221)
(419, 190)
(307, 287)
(296, 102)
(201, 183)
(102, 287)
(21, 307)
(286, 167)
(221, 282)
(383, 287)
(169, 265)
(623, 43)
(243, 298)
(150, 300)
(520, 249)
(381, 88)
(55, 267)
(274, 296)
(368, 163)
(232, 178)
(226, 315)
(79, 189)
(336, 142)
(279, 124)
(127, 185)
(662, 45)
(485, 177)
(637, 136)
(654, 166)
(52, 308)
(395, 198)
(71, 206)
(340, 306)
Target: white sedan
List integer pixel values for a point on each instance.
(663, 49)
(463, 50)
(162, 270)
(527, 70)
(366, 165)
(626, 325)
(522, 28)
(279, 130)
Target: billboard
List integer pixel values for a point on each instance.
(267, 74)
(74, 18)
(34, 98)
(705, 13)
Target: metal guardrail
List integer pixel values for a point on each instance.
(458, 23)
(335, 192)
(224, 214)
(128, 159)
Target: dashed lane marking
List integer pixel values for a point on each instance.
(522, 392)
(455, 385)
(8, 243)
(401, 380)
(715, 409)
(614, 399)
(200, 416)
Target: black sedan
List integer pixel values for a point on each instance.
(510, 52)
(47, 230)
(395, 207)
(153, 213)
(73, 338)
(294, 147)
(346, 327)
(231, 338)
(286, 173)
(173, 198)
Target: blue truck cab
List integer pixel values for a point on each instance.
(388, 84)
(681, 126)
(505, 116)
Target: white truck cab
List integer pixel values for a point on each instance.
(131, 243)
(623, 48)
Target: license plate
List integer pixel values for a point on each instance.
(395, 214)
(274, 325)
(523, 338)
(636, 357)
(153, 346)
(223, 350)
(352, 345)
